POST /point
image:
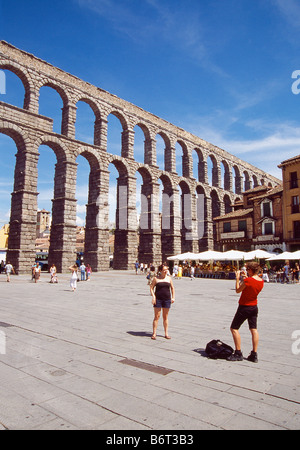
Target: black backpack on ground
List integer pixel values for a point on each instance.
(216, 349)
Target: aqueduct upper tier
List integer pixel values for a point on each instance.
(189, 203)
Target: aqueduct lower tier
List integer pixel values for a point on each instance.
(185, 222)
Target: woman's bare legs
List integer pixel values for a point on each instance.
(155, 321)
(166, 323)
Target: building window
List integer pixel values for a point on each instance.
(227, 227)
(242, 225)
(295, 204)
(267, 209)
(293, 180)
(268, 228)
(296, 229)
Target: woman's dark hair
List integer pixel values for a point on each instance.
(160, 268)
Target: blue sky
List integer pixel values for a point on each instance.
(221, 69)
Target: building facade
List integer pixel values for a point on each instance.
(291, 195)
(255, 222)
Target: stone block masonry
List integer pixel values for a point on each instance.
(164, 233)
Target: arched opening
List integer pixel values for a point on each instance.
(185, 217)
(85, 122)
(160, 151)
(179, 158)
(114, 135)
(14, 89)
(50, 105)
(227, 204)
(236, 176)
(8, 161)
(225, 176)
(139, 144)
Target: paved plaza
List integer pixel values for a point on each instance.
(85, 359)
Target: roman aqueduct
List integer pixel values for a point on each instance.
(188, 203)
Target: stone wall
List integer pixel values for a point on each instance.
(160, 234)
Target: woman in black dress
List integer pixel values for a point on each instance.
(163, 294)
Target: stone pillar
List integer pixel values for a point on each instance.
(238, 184)
(227, 180)
(31, 99)
(62, 251)
(127, 144)
(188, 223)
(22, 228)
(68, 121)
(125, 249)
(216, 176)
(149, 230)
(100, 133)
(187, 164)
(150, 152)
(202, 172)
(96, 250)
(170, 159)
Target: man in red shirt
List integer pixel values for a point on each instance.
(250, 287)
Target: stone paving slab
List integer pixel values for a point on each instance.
(85, 360)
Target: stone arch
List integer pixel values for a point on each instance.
(97, 116)
(215, 176)
(201, 172)
(227, 204)
(255, 181)
(147, 140)
(55, 144)
(169, 153)
(247, 180)
(23, 76)
(185, 159)
(227, 183)
(18, 135)
(237, 179)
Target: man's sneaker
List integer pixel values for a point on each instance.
(236, 356)
(252, 357)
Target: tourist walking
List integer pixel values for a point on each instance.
(82, 271)
(249, 287)
(53, 274)
(286, 271)
(8, 270)
(163, 294)
(88, 272)
(37, 272)
(73, 280)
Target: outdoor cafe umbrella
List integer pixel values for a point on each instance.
(183, 256)
(208, 255)
(257, 254)
(285, 256)
(232, 255)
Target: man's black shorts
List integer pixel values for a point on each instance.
(243, 313)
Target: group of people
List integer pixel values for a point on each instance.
(85, 274)
(249, 283)
(285, 273)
